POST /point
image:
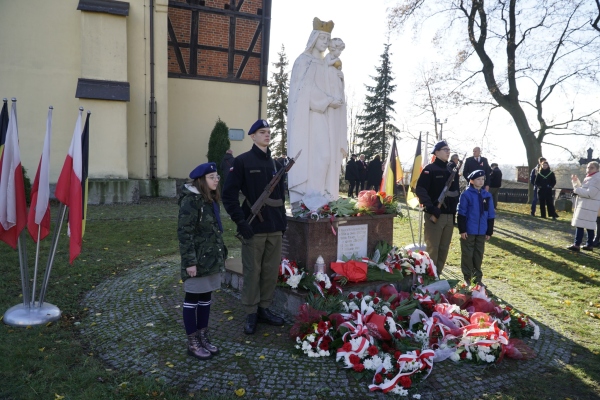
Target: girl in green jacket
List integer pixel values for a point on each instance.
(203, 254)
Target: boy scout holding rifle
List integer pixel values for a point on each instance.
(261, 249)
(439, 195)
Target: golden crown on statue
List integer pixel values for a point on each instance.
(319, 25)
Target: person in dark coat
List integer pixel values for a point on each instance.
(374, 174)
(495, 183)
(532, 176)
(352, 176)
(362, 171)
(477, 162)
(545, 181)
(261, 248)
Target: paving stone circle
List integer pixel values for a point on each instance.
(134, 323)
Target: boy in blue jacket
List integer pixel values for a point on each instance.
(475, 224)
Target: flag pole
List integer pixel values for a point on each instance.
(35, 268)
(22, 248)
(408, 213)
(53, 246)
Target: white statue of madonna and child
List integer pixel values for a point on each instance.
(317, 120)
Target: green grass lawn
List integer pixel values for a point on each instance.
(526, 256)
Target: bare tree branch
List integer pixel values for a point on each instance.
(597, 20)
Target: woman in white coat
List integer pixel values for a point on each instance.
(586, 206)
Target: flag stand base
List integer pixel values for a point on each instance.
(415, 247)
(20, 315)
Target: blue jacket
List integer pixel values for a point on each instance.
(476, 212)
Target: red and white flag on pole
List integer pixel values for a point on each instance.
(39, 209)
(68, 191)
(13, 205)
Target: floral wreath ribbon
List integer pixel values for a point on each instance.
(425, 359)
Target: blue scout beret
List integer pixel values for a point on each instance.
(261, 123)
(438, 146)
(476, 174)
(203, 169)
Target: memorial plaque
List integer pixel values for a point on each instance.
(352, 240)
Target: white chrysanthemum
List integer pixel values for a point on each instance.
(310, 338)
(298, 346)
(481, 355)
(495, 345)
(455, 356)
(484, 349)
(421, 336)
(294, 280)
(387, 363)
(416, 396)
(377, 361)
(323, 353)
(469, 355)
(298, 340)
(400, 391)
(490, 358)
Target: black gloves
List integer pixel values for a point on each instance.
(245, 230)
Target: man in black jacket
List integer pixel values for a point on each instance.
(352, 175)
(432, 181)
(261, 250)
(477, 162)
(495, 183)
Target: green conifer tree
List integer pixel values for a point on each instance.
(277, 103)
(377, 128)
(218, 143)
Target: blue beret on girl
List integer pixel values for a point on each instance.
(203, 169)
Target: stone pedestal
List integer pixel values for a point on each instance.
(307, 239)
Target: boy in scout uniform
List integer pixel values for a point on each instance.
(432, 181)
(261, 250)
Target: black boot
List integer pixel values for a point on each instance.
(204, 340)
(250, 326)
(265, 315)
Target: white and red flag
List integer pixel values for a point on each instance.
(13, 204)
(71, 188)
(38, 219)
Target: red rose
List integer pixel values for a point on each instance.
(322, 327)
(389, 314)
(359, 295)
(376, 300)
(378, 379)
(358, 367)
(397, 335)
(324, 345)
(347, 346)
(354, 359)
(350, 296)
(373, 350)
(463, 355)
(405, 381)
(397, 355)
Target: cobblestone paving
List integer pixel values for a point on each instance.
(134, 323)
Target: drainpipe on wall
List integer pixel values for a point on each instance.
(152, 107)
(262, 51)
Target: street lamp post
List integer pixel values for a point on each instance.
(439, 121)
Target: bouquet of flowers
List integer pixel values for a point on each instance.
(289, 273)
(315, 343)
(372, 202)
